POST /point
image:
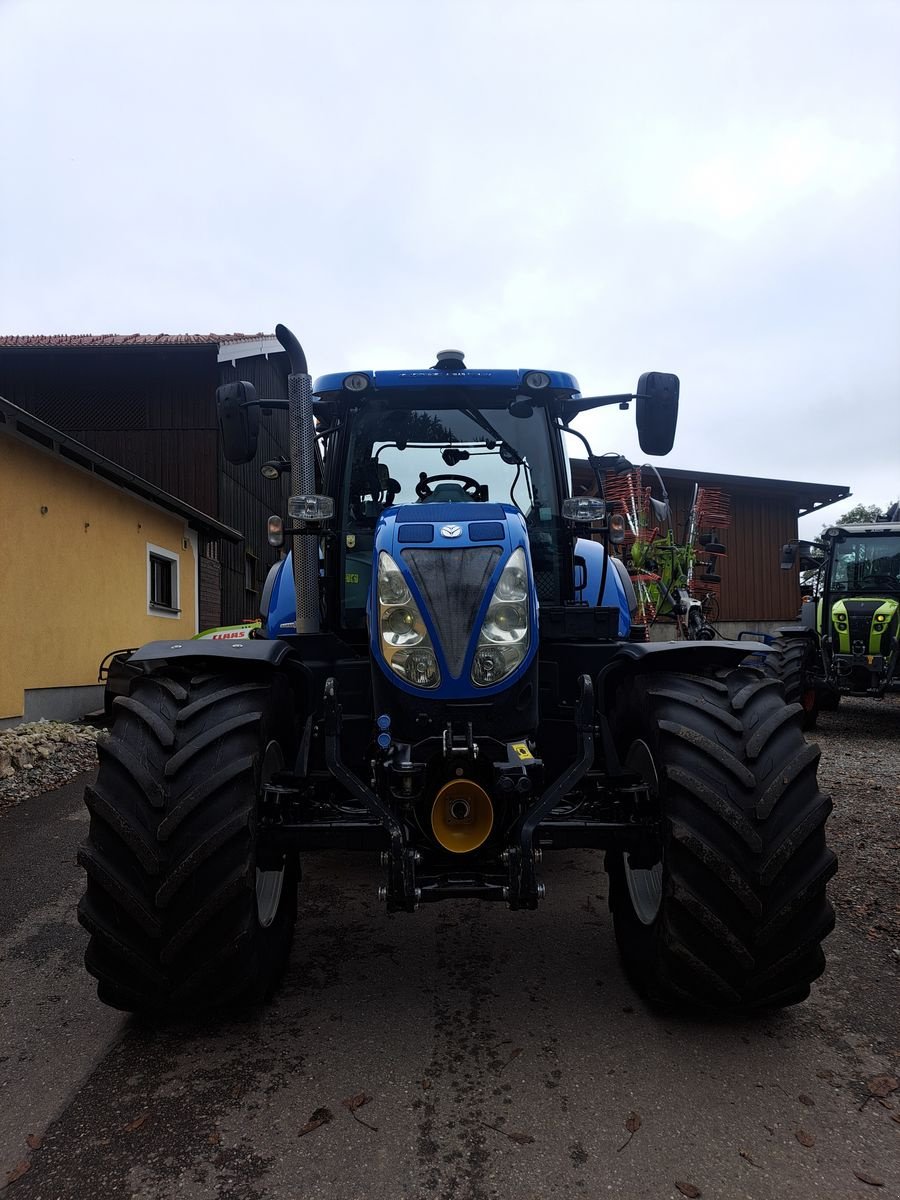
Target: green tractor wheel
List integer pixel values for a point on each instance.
(792, 660)
(183, 909)
(726, 912)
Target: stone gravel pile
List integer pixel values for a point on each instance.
(38, 756)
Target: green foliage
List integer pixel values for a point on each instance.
(860, 514)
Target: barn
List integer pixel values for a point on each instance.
(754, 592)
(147, 402)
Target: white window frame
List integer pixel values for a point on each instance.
(154, 610)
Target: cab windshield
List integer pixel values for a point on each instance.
(445, 456)
(867, 565)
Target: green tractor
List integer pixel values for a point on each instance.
(848, 639)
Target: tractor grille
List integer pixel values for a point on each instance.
(860, 614)
(452, 584)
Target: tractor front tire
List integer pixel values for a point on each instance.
(184, 912)
(726, 910)
(792, 660)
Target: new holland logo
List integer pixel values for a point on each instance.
(450, 531)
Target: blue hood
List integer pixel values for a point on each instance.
(451, 557)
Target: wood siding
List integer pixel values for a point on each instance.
(246, 500)
(210, 597)
(152, 410)
(763, 518)
(754, 588)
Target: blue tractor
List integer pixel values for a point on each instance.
(446, 673)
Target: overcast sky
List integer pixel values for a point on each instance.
(603, 187)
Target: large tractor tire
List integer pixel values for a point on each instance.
(183, 910)
(726, 910)
(792, 660)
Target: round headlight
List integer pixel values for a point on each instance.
(356, 383)
(505, 623)
(536, 380)
(399, 628)
(493, 663)
(418, 666)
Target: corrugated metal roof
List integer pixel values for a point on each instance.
(53, 341)
(809, 497)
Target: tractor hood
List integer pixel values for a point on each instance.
(452, 607)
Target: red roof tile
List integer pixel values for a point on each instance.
(66, 340)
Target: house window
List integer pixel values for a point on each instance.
(162, 582)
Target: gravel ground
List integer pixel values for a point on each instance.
(452, 1024)
(40, 756)
(860, 768)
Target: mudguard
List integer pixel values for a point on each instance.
(673, 656)
(270, 652)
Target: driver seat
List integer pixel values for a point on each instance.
(447, 493)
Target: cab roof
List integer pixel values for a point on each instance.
(873, 528)
(437, 386)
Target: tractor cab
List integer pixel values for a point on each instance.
(848, 642)
(858, 606)
(452, 444)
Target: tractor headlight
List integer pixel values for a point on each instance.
(505, 623)
(404, 639)
(418, 667)
(513, 583)
(392, 587)
(503, 641)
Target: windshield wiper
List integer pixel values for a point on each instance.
(485, 424)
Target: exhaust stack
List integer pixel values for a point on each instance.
(305, 552)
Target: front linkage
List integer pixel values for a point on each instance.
(607, 806)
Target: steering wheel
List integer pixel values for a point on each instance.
(471, 486)
(885, 581)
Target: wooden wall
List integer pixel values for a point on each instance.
(152, 410)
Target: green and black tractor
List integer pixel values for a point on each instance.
(848, 640)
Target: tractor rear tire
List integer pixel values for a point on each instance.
(184, 912)
(792, 660)
(727, 911)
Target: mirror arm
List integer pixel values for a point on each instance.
(593, 461)
(583, 403)
(285, 404)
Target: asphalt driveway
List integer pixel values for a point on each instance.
(463, 1052)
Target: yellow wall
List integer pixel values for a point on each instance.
(73, 580)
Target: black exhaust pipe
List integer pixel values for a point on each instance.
(305, 554)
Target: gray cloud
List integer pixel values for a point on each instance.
(709, 188)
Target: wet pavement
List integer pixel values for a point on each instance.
(464, 1051)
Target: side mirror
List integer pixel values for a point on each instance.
(788, 556)
(657, 411)
(238, 417)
